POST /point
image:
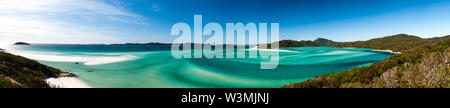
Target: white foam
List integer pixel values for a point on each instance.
(67, 82)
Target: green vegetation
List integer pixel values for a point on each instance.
(425, 66)
(439, 38)
(424, 63)
(20, 72)
(396, 43)
(307, 43)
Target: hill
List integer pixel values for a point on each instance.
(425, 66)
(307, 43)
(439, 38)
(325, 42)
(20, 72)
(397, 43)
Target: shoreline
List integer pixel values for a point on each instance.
(60, 82)
(390, 51)
(377, 50)
(66, 82)
(74, 82)
(87, 60)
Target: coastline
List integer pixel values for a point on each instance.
(390, 51)
(73, 82)
(378, 50)
(87, 60)
(66, 82)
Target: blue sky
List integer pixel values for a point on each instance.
(118, 21)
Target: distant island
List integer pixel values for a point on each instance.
(151, 43)
(21, 43)
(424, 63)
(394, 44)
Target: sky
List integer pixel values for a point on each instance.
(121, 21)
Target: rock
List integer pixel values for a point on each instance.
(21, 43)
(66, 74)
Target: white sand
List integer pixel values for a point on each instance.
(272, 50)
(71, 82)
(67, 82)
(337, 53)
(87, 60)
(390, 51)
(5, 46)
(107, 60)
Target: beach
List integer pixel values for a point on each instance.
(87, 60)
(390, 51)
(67, 82)
(155, 67)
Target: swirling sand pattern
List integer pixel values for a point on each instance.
(158, 69)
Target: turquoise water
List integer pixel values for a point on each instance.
(154, 66)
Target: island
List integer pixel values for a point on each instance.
(423, 63)
(151, 43)
(21, 43)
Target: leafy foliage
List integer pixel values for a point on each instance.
(307, 43)
(397, 43)
(20, 72)
(439, 38)
(425, 66)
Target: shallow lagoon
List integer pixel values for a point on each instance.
(154, 66)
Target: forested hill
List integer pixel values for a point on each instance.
(307, 43)
(439, 38)
(397, 43)
(20, 72)
(424, 66)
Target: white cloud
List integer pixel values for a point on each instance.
(15, 29)
(67, 7)
(39, 20)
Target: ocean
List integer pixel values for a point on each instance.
(152, 66)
